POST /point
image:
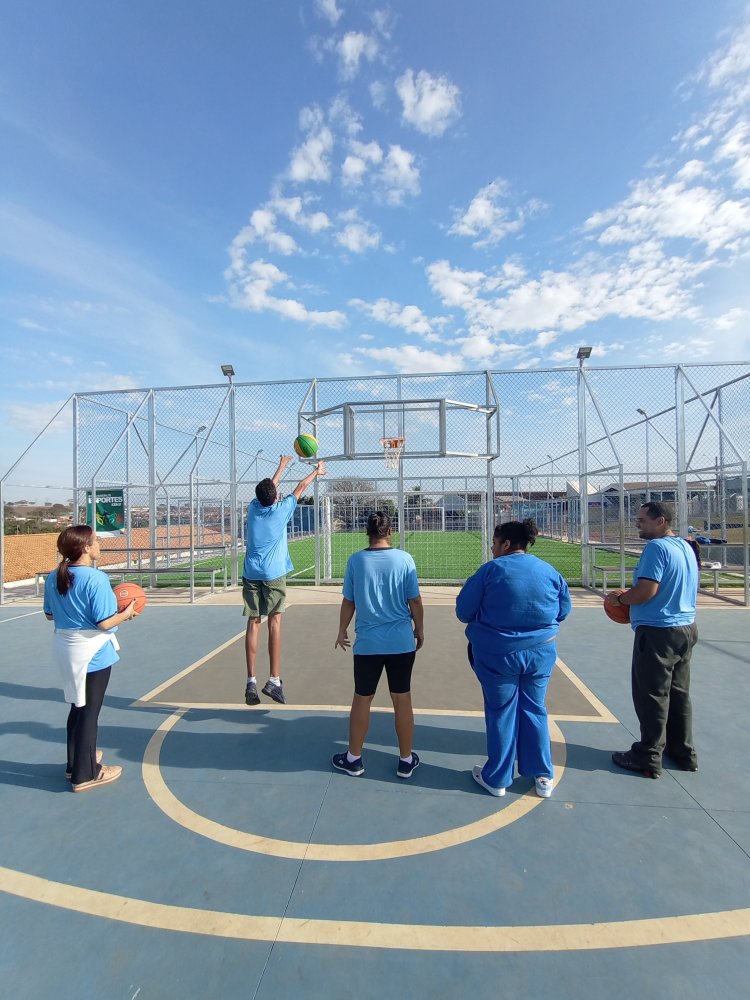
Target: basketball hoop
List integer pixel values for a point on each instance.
(392, 448)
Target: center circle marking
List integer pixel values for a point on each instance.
(171, 806)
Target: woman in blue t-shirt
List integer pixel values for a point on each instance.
(80, 601)
(513, 606)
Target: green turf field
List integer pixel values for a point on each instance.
(450, 556)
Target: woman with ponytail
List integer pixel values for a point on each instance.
(80, 601)
(512, 607)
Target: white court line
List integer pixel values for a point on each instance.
(16, 617)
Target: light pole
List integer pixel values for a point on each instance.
(528, 469)
(648, 473)
(199, 430)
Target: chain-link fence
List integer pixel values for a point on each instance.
(577, 449)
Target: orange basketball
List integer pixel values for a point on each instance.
(127, 592)
(619, 613)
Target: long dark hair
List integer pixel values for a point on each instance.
(520, 534)
(71, 544)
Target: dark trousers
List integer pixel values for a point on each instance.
(661, 693)
(83, 728)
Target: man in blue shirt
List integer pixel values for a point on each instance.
(264, 573)
(380, 584)
(662, 615)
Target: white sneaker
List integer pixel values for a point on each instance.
(544, 787)
(477, 772)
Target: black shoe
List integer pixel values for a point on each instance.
(405, 770)
(274, 691)
(683, 763)
(354, 767)
(626, 760)
(251, 694)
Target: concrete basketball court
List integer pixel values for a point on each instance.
(232, 861)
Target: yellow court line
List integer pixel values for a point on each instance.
(457, 713)
(588, 694)
(689, 927)
(193, 666)
(223, 706)
(181, 814)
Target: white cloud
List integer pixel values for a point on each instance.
(487, 217)
(328, 10)
(360, 158)
(251, 290)
(409, 318)
(729, 320)
(310, 161)
(399, 175)
(29, 324)
(430, 103)
(378, 94)
(663, 209)
(357, 236)
(409, 358)
(352, 48)
(735, 147)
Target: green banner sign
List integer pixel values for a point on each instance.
(110, 512)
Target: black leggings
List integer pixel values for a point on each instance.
(83, 727)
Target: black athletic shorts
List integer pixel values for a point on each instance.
(368, 669)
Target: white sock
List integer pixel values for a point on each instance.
(407, 760)
(276, 681)
(350, 759)
(250, 682)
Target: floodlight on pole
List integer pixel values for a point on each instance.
(227, 371)
(648, 472)
(584, 353)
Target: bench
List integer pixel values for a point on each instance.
(138, 574)
(716, 568)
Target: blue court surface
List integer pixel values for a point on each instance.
(231, 861)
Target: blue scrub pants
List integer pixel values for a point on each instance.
(514, 687)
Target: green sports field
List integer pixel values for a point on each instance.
(449, 556)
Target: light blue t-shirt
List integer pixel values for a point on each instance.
(511, 603)
(90, 600)
(267, 555)
(381, 582)
(671, 562)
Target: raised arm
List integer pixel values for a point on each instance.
(284, 460)
(299, 489)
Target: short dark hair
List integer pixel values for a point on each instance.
(378, 524)
(265, 491)
(656, 509)
(520, 534)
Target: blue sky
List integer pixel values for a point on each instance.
(335, 187)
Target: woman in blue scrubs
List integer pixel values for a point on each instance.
(512, 607)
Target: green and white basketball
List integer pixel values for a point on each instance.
(305, 445)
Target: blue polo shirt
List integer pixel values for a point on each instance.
(381, 582)
(267, 556)
(90, 600)
(671, 563)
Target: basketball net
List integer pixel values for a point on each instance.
(392, 448)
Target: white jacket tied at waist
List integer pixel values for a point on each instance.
(74, 649)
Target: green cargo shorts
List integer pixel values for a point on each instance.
(263, 597)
